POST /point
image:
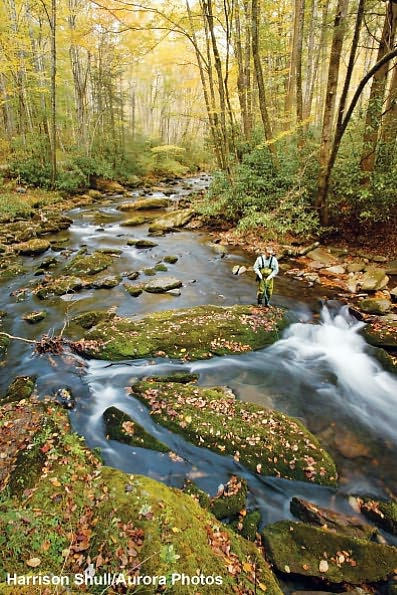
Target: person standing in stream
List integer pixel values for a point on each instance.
(266, 268)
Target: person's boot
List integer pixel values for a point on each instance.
(259, 301)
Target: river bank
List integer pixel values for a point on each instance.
(136, 324)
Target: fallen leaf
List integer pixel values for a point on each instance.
(33, 562)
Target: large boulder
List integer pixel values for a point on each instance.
(383, 513)
(134, 221)
(375, 305)
(193, 333)
(266, 441)
(32, 247)
(391, 267)
(172, 220)
(323, 256)
(125, 525)
(56, 286)
(145, 204)
(381, 333)
(162, 284)
(298, 548)
(108, 186)
(373, 279)
(88, 264)
(120, 426)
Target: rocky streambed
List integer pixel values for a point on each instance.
(219, 439)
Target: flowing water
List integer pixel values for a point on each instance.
(321, 370)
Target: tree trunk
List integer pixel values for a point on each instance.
(329, 109)
(375, 104)
(53, 92)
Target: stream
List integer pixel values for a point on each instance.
(321, 370)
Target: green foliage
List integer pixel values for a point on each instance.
(259, 196)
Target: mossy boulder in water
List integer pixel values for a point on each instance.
(298, 548)
(4, 344)
(145, 204)
(193, 333)
(162, 284)
(134, 221)
(171, 221)
(10, 267)
(334, 521)
(381, 333)
(21, 387)
(178, 377)
(383, 513)
(88, 264)
(34, 317)
(89, 319)
(120, 426)
(32, 247)
(230, 499)
(142, 243)
(106, 282)
(375, 305)
(266, 441)
(59, 286)
(125, 523)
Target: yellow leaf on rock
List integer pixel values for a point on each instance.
(33, 562)
(247, 567)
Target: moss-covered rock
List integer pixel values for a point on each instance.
(135, 221)
(32, 247)
(381, 333)
(161, 267)
(375, 305)
(121, 523)
(171, 259)
(383, 513)
(134, 290)
(334, 521)
(266, 441)
(149, 272)
(247, 524)
(59, 286)
(142, 243)
(106, 282)
(230, 499)
(173, 220)
(10, 266)
(299, 548)
(120, 426)
(89, 319)
(34, 317)
(21, 387)
(162, 284)
(179, 377)
(200, 496)
(145, 204)
(193, 333)
(4, 344)
(88, 264)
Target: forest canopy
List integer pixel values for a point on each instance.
(292, 103)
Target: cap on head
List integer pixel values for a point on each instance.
(269, 250)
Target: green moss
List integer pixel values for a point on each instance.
(179, 377)
(88, 264)
(89, 319)
(199, 495)
(263, 440)
(194, 333)
(299, 548)
(4, 343)
(383, 513)
(10, 267)
(59, 286)
(32, 247)
(134, 290)
(250, 526)
(145, 204)
(160, 267)
(171, 259)
(120, 426)
(21, 387)
(231, 501)
(106, 282)
(381, 334)
(134, 221)
(35, 317)
(149, 272)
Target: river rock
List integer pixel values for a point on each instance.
(383, 513)
(134, 290)
(108, 186)
(145, 204)
(149, 272)
(141, 243)
(341, 523)
(34, 317)
(95, 194)
(160, 267)
(239, 270)
(88, 264)
(322, 255)
(379, 258)
(393, 294)
(106, 282)
(174, 292)
(230, 499)
(266, 441)
(173, 220)
(58, 286)
(336, 270)
(65, 398)
(381, 333)
(89, 319)
(170, 259)
(301, 549)
(135, 221)
(32, 247)
(192, 333)
(22, 387)
(373, 279)
(218, 248)
(375, 305)
(391, 267)
(355, 267)
(121, 427)
(162, 284)
(145, 510)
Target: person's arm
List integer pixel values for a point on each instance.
(275, 269)
(257, 266)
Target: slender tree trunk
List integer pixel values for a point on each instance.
(375, 104)
(53, 92)
(260, 82)
(389, 125)
(330, 103)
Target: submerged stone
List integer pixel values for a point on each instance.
(21, 387)
(106, 282)
(88, 264)
(59, 286)
(89, 319)
(170, 259)
(298, 548)
(10, 267)
(34, 317)
(266, 441)
(160, 267)
(134, 290)
(193, 333)
(141, 243)
(383, 513)
(121, 427)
